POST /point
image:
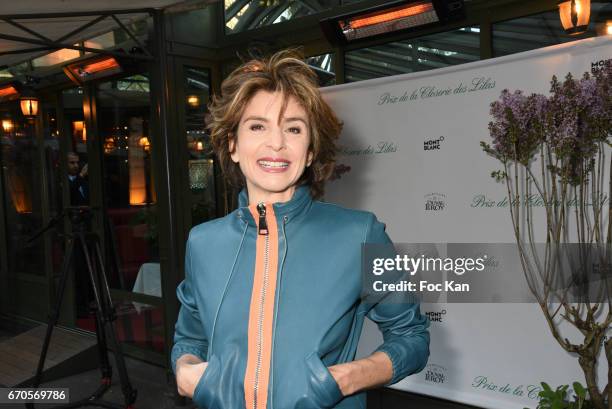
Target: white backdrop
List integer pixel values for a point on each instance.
(488, 355)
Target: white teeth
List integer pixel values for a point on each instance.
(270, 164)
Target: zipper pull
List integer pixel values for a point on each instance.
(263, 226)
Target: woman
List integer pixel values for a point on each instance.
(271, 310)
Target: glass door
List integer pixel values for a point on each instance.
(22, 198)
(40, 160)
(200, 162)
(203, 189)
(75, 180)
(130, 201)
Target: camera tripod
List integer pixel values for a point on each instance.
(105, 312)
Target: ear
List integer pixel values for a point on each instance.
(233, 151)
(309, 159)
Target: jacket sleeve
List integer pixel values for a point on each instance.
(189, 337)
(398, 316)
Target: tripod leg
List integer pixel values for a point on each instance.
(105, 366)
(90, 269)
(54, 316)
(108, 314)
(103, 282)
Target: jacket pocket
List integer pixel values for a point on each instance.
(323, 391)
(203, 395)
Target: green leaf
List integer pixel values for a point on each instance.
(579, 390)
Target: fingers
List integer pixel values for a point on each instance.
(187, 377)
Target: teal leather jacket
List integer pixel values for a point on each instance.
(272, 297)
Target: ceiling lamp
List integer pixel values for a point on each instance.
(7, 125)
(92, 68)
(390, 18)
(144, 143)
(193, 101)
(575, 15)
(29, 103)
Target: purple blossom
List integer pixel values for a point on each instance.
(517, 128)
(571, 122)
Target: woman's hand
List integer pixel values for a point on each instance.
(189, 370)
(343, 375)
(371, 372)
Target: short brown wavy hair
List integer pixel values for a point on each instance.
(287, 73)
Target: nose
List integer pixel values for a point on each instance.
(276, 139)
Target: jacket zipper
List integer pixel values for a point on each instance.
(263, 230)
(262, 307)
(263, 226)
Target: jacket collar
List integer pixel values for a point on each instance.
(298, 205)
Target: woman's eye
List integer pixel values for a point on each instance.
(256, 127)
(295, 130)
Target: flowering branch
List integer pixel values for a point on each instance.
(565, 135)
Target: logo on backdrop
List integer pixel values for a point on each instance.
(379, 148)
(435, 201)
(435, 373)
(533, 200)
(484, 383)
(432, 144)
(600, 65)
(436, 316)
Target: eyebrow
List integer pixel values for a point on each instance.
(296, 118)
(260, 118)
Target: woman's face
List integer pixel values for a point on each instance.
(272, 151)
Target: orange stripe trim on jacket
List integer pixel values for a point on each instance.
(261, 314)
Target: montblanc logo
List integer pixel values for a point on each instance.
(600, 65)
(435, 201)
(432, 144)
(435, 373)
(436, 316)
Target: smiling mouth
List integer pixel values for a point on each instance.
(273, 164)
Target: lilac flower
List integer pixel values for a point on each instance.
(581, 121)
(571, 123)
(517, 128)
(595, 107)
